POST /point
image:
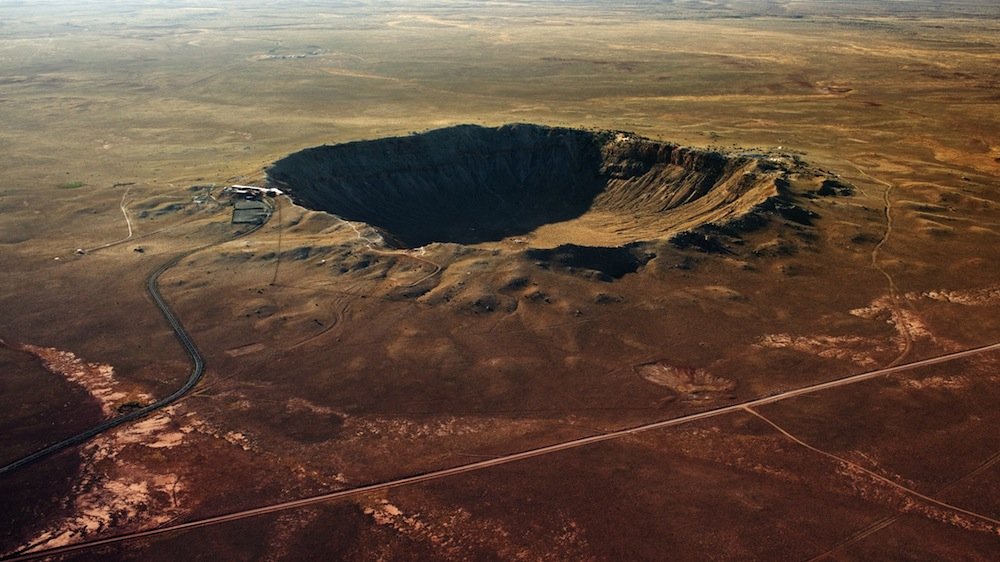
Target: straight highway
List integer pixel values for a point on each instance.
(506, 459)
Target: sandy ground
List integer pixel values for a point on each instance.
(336, 361)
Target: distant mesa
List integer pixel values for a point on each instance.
(560, 187)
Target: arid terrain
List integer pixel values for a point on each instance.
(546, 280)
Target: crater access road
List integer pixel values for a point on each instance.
(197, 368)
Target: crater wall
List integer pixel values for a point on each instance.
(469, 184)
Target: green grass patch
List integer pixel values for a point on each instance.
(71, 185)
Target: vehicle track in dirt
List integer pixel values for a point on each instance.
(904, 489)
(895, 298)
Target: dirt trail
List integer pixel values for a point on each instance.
(888, 521)
(369, 245)
(895, 296)
(908, 491)
(128, 223)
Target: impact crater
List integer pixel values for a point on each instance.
(546, 187)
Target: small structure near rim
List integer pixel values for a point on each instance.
(249, 206)
(250, 211)
(251, 191)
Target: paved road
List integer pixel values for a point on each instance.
(197, 369)
(471, 467)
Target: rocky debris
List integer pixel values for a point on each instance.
(684, 380)
(516, 284)
(606, 298)
(774, 248)
(834, 187)
(865, 238)
(700, 241)
(487, 304)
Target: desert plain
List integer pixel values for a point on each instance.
(501, 369)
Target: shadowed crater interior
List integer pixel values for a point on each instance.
(469, 184)
(612, 263)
